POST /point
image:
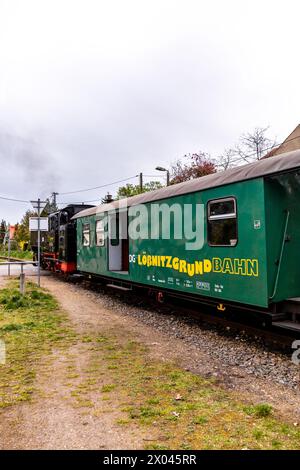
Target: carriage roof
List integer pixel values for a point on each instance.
(266, 167)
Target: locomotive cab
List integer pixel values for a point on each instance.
(58, 251)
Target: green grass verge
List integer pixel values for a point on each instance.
(178, 409)
(30, 325)
(26, 255)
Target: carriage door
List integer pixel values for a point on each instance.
(118, 246)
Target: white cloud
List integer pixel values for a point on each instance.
(105, 90)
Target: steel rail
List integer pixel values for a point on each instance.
(278, 338)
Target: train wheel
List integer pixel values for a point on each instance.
(160, 297)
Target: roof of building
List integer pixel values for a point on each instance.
(265, 167)
(292, 142)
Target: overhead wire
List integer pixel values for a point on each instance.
(14, 199)
(238, 159)
(99, 187)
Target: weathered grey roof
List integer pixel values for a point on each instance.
(269, 166)
(292, 142)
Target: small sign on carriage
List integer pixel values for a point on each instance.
(33, 224)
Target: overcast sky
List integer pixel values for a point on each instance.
(96, 91)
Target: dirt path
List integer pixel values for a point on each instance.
(55, 420)
(58, 419)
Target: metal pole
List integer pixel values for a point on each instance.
(22, 281)
(39, 206)
(39, 243)
(8, 258)
(141, 182)
(161, 168)
(54, 194)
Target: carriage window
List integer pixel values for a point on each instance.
(86, 235)
(222, 222)
(114, 229)
(100, 236)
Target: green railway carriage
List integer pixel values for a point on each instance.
(246, 226)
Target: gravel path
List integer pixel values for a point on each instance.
(53, 420)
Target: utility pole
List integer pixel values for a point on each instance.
(141, 182)
(5, 237)
(39, 206)
(54, 194)
(8, 258)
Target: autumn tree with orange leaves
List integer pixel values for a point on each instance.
(192, 166)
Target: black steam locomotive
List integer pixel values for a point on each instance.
(58, 245)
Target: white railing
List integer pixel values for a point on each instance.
(22, 274)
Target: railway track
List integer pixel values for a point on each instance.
(270, 335)
(229, 325)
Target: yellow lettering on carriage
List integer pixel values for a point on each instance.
(182, 266)
(240, 266)
(229, 266)
(217, 265)
(207, 266)
(190, 269)
(175, 264)
(199, 267)
(252, 267)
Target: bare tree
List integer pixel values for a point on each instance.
(227, 159)
(254, 145)
(251, 146)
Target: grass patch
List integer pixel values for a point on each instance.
(30, 325)
(11, 299)
(262, 410)
(200, 420)
(108, 388)
(181, 410)
(27, 255)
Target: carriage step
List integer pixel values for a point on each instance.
(287, 325)
(277, 316)
(115, 286)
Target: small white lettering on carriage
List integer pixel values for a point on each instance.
(256, 224)
(296, 354)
